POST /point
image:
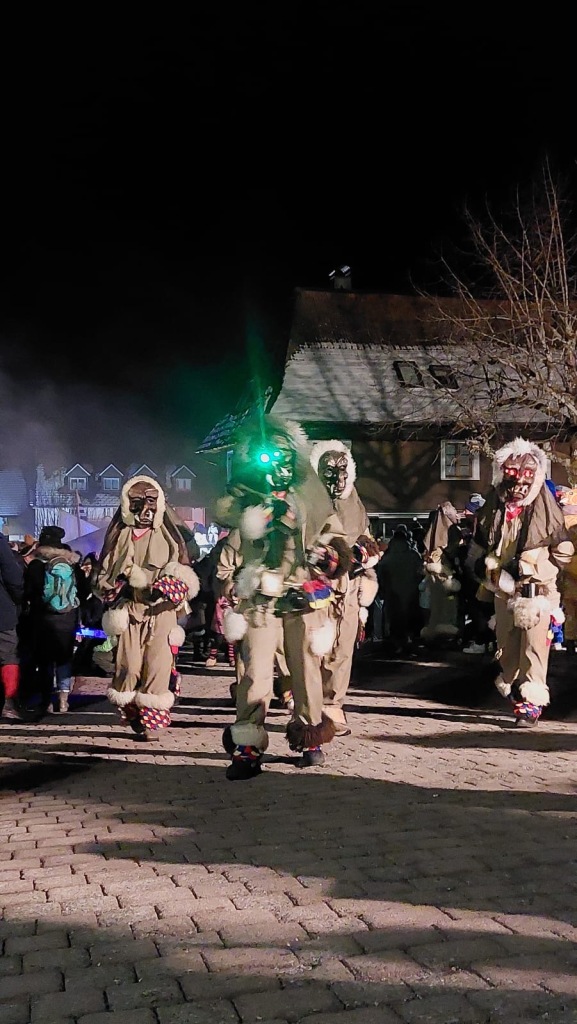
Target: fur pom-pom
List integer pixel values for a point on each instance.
(137, 578)
(184, 573)
(558, 616)
(301, 735)
(272, 583)
(363, 615)
(452, 585)
(345, 555)
(115, 621)
(248, 734)
(506, 582)
(322, 639)
(156, 701)
(368, 590)
(176, 637)
(253, 522)
(234, 626)
(247, 582)
(527, 611)
(492, 562)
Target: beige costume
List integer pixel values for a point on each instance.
(144, 620)
(525, 543)
(351, 595)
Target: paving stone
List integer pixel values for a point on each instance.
(289, 1003)
(61, 1006)
(30, 985)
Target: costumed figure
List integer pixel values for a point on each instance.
(356, 591)
(442, 541)
(568, 578)
(524, 538)
(144, 580)
(280, 561)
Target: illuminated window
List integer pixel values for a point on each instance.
(183, 483)
(111, 483)
(458, 462)
(408, 373)
(443, 376)
(78, 483)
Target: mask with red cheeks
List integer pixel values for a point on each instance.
(518, 477)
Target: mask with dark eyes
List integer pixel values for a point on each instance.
(333, 471)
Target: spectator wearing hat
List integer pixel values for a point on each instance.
(55, 588)
(11, 589)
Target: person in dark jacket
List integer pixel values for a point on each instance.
(11, 589)
(51, 615)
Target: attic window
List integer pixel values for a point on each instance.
(183, 483)
(443, 376)
(111, 483)
(408, 373)
(77, 483)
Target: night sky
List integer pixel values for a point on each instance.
(168, 184)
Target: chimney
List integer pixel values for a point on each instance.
(341, 279)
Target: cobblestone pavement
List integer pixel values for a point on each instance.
(426, 874)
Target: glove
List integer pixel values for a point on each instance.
(170, 588)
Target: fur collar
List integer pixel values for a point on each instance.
(46, 554)
(320, 448)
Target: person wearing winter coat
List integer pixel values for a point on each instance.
(11, 593)
(523, 539)
(55, 589)
(354, 593)
(399, 574)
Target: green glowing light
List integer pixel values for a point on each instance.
(264, 457)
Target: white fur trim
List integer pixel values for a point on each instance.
(492, 562)
(247, 582)
(535, 693)
(320, 448)
(234, 626)
(138, 578)
(372, 561)
(506, 582)
(322, 639)
(115, 621)
(527, 611)
(503, 687)
(253, 522)
(520, 446)
(223, 509)
(271, 583)
(368, 590)
(176, 637)
(127, 516)
(120, 697)
(247, 734)
(156, 701)
(363, 615)
(184, 573)
(452, 585)
(558, 616)
(564, 551)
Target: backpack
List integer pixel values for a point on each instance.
(60, 593)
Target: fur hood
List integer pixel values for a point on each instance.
(320, 448)
(521, 447)
(127, 516)
(46, 554)
(258, 430)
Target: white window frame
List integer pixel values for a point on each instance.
(114, 480)
(78, 483)
(474, 457)
(183, 483)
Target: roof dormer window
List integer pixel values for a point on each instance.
(408, 373)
